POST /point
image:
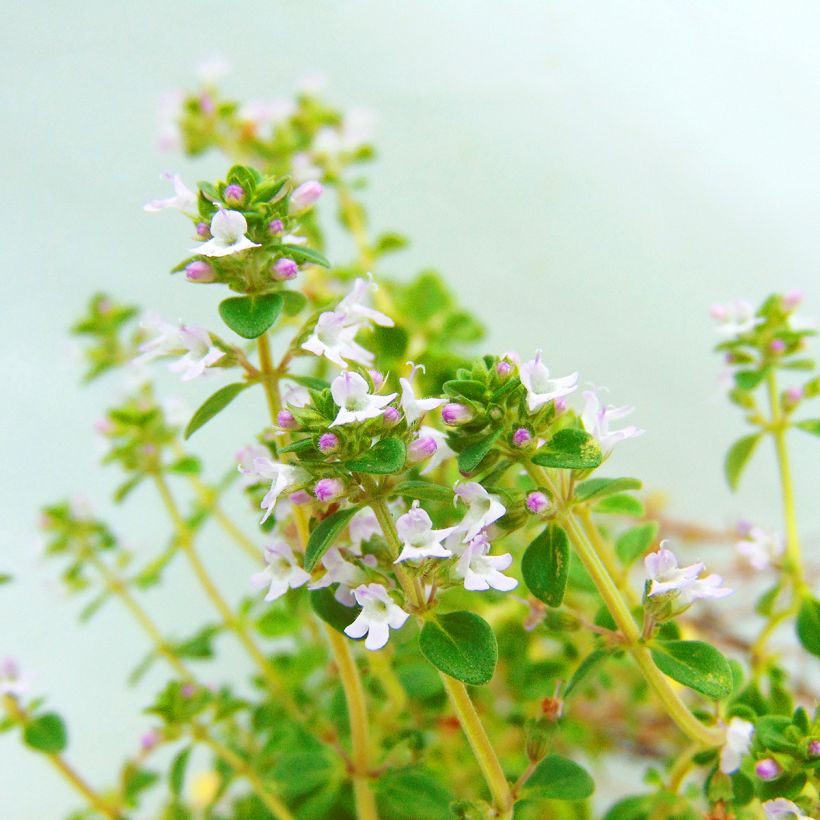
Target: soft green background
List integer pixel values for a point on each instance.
(590, 176)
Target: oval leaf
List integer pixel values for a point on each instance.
(324, 604)
(602, 487)
(808, 625)
(585, 667)
(810, 426)
(472, 456)
(635, 542)
(46, 733)
(212, 405)
(176, 775)
(424, 490)
(694, 664)
(300, 254)
(558, 778)
(621, 504)
(411, 793)
(737, 458)
(570, 449)
(545, 565)
(251, 316)
(325, 533)
(462, 645)
(387, 456)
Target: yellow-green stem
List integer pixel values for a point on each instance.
(186, 542)
(269, 379)
(357, 714)
(412, 592)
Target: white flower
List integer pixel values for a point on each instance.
(419, 539)
(281, 573)
(596, 417)
(338, 571)
(378, 616)
(482, 508)
(201, 353)
(353, 305)
(355, 132)
(12, 683)
(228, 232)
(175, 412)
(665, 576)
(782, 809)
(738, 739)
(245, 460)
(540, 387)
(334, 338)
(184, 199)
(443, 450)
(265, 115)
(281, 476)
(735, 318)
(760, 548)
(363, 526)
(213, 69)
(350, 392)
(296, 395)
(415, 408)
(482, 571)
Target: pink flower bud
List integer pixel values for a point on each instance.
(391, 416)
(503, 369)
(814, 748)
(276, 227)
(200, 272)
(206, 104)
(718, 312)
(328, 443)
(285, 269)
(188, 690)
(286, 420)
(300, 497)
(456, 414)
(794, 395)
(150, 739)
(421, 449)
(104, 426)
(305, 196)
(560, 405)
(522, 437)
(234, 195)
(203, 230)
(377, 378)
(768, 769)
(537, 502)
(777, 346)
(329, 489)
(792, 299)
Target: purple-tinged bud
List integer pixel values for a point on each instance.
(328, 443)
(814, 748)
(744, 527)
(206, 104)
(718, 312)
(329, 489)
(377, 378)
(560, 405)
(300, 497)
(276, 227)
(234, 195)
(305, 196)
(105, 306)
(285, 269)
(503, 369)
(768, 769)
(149, 740)
(456, 414)
(537, 502)
(188, 690)
(200, 272)
(286, 420)
(104, 426)
(421, 449)
(777, 346)
(794, 395)
(391, 416)
(203, 230)
(522, 437)
(792, 299)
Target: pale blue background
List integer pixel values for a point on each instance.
(590, 176)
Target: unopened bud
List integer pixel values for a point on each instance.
(537, 502)
(234, 195)
(377, 378)
(522, 437)
(305, 196)
(329, 489)
(285, 269)
(456, 414)
(391, 416)
(768, 769)
(328, 443)
(777, 346)
(276, 227)
(286, 420)
(150, 739)
(538, 737)
(792, 299)
(203, 230)
(814, 748)
(793, 396)
(503, 369)
(200, 272)
(421, 449)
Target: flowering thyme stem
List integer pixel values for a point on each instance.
(633, 642)
(270, 380)
(186, 542)
(94, 799)
(276, 807)
(357, 713)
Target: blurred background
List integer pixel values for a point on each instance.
(589, 177)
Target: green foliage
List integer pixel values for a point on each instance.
(46, 733)
(558, 778)
(738, 457)
(635, 542)
(470, 459)
(596, 488)
(251, 316)
(570, 449)
(325, 605)
(808, 625)
(695, 664)
(462, 645)
(214, 405)
(545, 565)
(410, 793)
(326, 532)
(387, 456)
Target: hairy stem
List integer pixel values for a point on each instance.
(270, 380)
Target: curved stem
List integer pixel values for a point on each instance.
(357, 714)
(682, 767)
(186, 542)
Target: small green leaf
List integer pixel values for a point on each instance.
(176, 774)
(469, 388)
(545, 565)
(695, 664)
(213, 405)
(472, 456)
(635, 542)
(325, 533)
(293, 302)
(187, 465)
(738, 456)
(808, 625)
(462, 645)
(558, 778)
(570, 449)
(300, 254)
(251, 316)
(424, 490)
(750, 379)
(809, 425)
(412, 793)
(46, 733)
(309, 381)
(601, 487)
(324, 604)
(5, 578)
(589, 663)
(385, 457)
(621, 505)
(124, 489)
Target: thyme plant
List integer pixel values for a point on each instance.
(476, 622)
